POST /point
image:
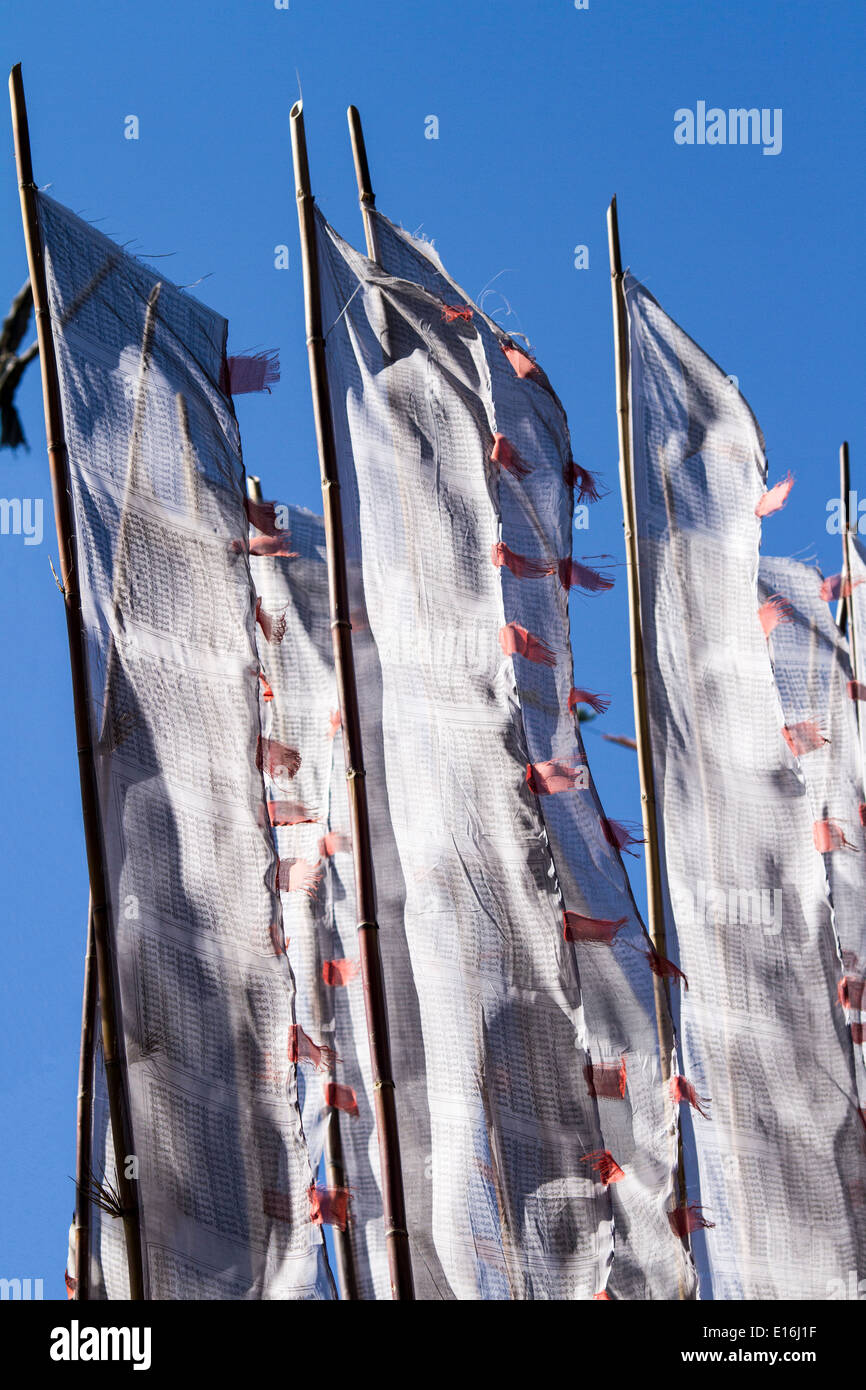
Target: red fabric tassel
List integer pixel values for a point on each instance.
(329, 1206)
(505, 454)
(273, 546)
(837, 586)
(290, 813)
(297, 876)
(606, 1081)
(263, 515)
(775, 499)
(277, 759)
(273, 627)
(600, 703)
(857, 1032)
(602, 929)
(829, 835)
(333, 843)
(604, 1296)
(545, 779)
(337, 973)
(574, 475)
(619, 836)
(856, 690)
(803, 738)
(850, 991)
(862, 811)
(254, 372)
(450, 312)
(335, 722)
(341, 1097)
(604, 1163)
(683, 1090)
(267, 693)
(516, 640)
(520, 361)
(684, 1220)
(664, 968)
(574, 575)
(520, 565)
(776, 610)
(303, 1049)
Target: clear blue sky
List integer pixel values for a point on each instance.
(544, 111)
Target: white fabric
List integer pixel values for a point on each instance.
(516, 1208)
(207, 1004)
(535, 518)
(749, 916)
(813, 675)
(321, 924)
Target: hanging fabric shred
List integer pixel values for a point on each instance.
(556, 775)
(505, 454)
(520, 565)
(254, 372)
(775, 499)
(574, 575)
(580, 928)
(574, 475)
(599, 703)
(517, 641)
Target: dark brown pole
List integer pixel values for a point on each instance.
(59, 469)
(394, 1212)
(655, 897)
(84, 1120)
(335, 1173)
(845, 484)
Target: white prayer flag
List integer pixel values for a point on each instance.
(206, 998)
(749, 914)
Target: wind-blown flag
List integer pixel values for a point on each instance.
(322, 927)
(749, 916)
(552, 1140)
(813, 675)
(207, 1004)
(852, 993)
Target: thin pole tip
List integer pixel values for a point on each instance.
(297, 110)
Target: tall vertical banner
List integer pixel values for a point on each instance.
(750, 915)
(552, 1142)
(206, 991)
(310, 816)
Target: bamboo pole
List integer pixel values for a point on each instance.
(84, 1120)
(396, 1234)
(366, 196)
(844, 605)
(655, 897)
(59, 469)
(335, 1173)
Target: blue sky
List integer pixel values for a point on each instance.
(544, 111)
